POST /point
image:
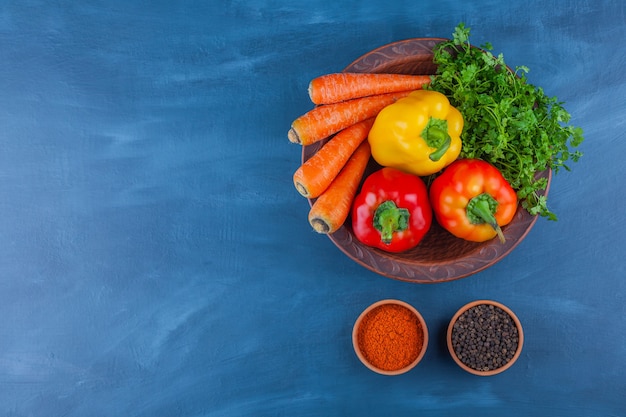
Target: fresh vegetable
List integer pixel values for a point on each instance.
(508, 122)
(315, 174)
(336, 87)
(472, 200)
(331, 209)
(418, 134)
(392, 212)
(323, 121)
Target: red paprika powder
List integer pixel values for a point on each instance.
(390, 337)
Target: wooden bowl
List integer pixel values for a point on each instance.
(440, 256)
(370, 314)
(491, 370)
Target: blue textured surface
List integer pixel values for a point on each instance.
(156, 261)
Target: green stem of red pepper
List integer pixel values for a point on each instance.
(481, 209)
(389, 219)
(435, 134)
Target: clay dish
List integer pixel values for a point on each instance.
(420, 324)
(440, 256)
(497, 340)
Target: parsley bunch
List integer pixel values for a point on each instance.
(508, 121)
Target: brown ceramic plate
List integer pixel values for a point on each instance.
(440, 256)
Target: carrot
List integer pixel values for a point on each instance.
(331, 209)
(323, 121)
(316, 174)
(332, 88)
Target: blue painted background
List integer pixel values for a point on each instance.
(155, 259)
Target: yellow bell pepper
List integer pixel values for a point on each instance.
(419, 134)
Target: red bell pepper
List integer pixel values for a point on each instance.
(472, 200)
(392, 211)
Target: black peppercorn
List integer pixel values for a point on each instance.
(485, 337)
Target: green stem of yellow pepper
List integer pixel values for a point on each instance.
(436, 136)
(481, 209)
(389, 219)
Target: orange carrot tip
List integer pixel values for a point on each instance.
(314, 176)
(336, 87)
(331, 209)
(323, 121)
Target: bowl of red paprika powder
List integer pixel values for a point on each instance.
(390, 337)
(485, 337)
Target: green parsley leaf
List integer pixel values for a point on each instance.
(508, 122)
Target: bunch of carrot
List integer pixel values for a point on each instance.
(346, 106)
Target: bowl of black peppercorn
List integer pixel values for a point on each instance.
(485, 337)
